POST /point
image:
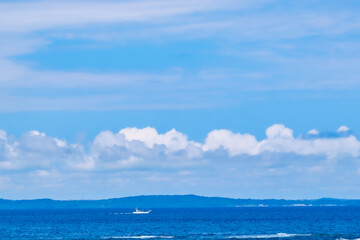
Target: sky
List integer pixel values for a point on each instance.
(231, 98)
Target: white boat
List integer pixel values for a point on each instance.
(137, 211)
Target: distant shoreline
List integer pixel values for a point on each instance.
(172, 201)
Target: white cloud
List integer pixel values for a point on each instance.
(133, 147)
(109, 139)
(279, 131)
(235, 143)
(114, 22)
(136, 155)
(40, 15)
(20, 20)
(173, 139)
(313, 132)
(342, 129)
(35, 149)
(2, 135)
(280, 140)
(331, 147)
(46, 174)
(28, 26)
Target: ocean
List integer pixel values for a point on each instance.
(295, 223)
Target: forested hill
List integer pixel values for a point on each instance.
(169, 201)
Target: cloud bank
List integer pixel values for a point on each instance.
(144, 157)
(133, 147)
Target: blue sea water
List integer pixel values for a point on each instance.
(295, 223)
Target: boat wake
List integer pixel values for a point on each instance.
(120, 213)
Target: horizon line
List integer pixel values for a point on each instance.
(184, 195)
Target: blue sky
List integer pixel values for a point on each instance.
(71, 70)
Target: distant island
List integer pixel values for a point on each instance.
(170, 201)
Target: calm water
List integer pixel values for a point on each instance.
(296, 223)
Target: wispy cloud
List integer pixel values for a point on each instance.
(41, 15)
(261, 47)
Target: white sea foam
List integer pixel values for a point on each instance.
(119, 213)
(277, 235)
(347, 239)
(137, 237)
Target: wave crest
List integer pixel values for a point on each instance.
(277, 235)
(137, 237)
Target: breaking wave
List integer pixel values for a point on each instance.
(137, 237)
(347, 239)
(277, 235)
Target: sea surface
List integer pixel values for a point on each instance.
(295, 223)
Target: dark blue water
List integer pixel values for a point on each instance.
(295, 223)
